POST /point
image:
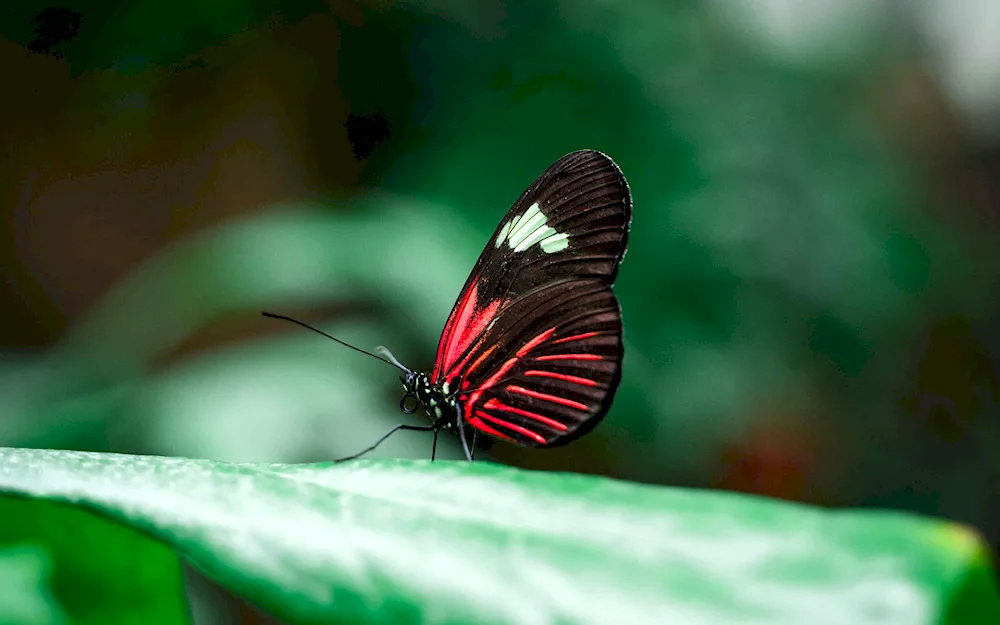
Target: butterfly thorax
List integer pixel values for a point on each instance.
(431, 397)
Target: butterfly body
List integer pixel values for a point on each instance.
(431, 397)
(531, 352)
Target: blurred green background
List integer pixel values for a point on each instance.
(810, 292)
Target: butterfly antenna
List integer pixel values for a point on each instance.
(393, 362)
(385, 352)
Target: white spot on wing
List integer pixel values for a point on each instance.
(530, 228)
(533, 210)
(511, 226)
(503, 234)
(533, 238)
(555, 243)
(526, 225)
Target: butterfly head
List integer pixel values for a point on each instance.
(417, 392)
(409, 402)
(420, 392)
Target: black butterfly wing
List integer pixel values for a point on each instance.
(550, 262)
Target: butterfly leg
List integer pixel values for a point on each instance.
(434, 447)
(475, 441)
(415, 428)
(461, 433)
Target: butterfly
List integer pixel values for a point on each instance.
(531, 353)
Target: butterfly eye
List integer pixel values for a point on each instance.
(408, 404)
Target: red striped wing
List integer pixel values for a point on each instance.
(540, 293)
(558, 371)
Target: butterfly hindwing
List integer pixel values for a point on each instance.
(558, 369)
(533, 345)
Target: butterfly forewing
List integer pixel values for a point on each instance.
(533, 347)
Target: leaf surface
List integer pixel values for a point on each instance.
(388, 541)
(60, 564)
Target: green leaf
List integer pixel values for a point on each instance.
(24, 595)
(401, 541)
(73, 566)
